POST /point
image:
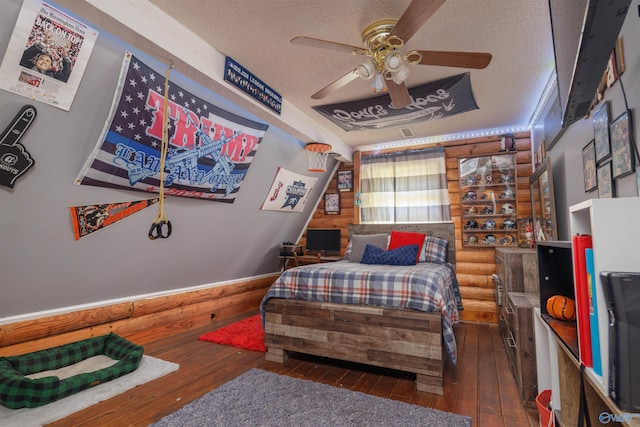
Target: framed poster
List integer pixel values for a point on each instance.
(601, 132)
(589, 167)
(621, 154)
(47, 54)
(345, 180)
(605, 181)
(332, 203)
(552, 120)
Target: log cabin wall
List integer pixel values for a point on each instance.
(341, 220)
(475, 266)
(140, 321)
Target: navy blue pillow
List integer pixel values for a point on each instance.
(404, 255)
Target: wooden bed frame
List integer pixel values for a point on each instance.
(402, 339)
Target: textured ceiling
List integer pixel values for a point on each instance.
(256, 33)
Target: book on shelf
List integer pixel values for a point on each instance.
(593, 312)
(580, 244)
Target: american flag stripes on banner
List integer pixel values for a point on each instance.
(210, 149)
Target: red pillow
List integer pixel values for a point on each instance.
(402, 238)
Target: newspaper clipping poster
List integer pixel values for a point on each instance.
(47, 55)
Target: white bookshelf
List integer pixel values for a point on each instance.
(614, 226)
(547, 359)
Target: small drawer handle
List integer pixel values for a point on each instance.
(496, 280)
(512, 342)
(510, 309)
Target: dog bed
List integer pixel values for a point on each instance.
(35, 379)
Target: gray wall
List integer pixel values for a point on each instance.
(43, 268)
(566, 154)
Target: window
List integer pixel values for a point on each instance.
(404, 187)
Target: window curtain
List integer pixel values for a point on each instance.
(404, 187)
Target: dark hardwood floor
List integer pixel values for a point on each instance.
(480, 386)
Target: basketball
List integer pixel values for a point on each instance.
(561, 307)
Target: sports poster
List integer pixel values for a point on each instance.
(210, 149)
(289, 192)
(90, 218)
(47, 55)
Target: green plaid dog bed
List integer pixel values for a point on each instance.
(17, 391)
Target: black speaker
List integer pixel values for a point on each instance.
(622, 293)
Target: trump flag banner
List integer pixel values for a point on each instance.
(210, 149)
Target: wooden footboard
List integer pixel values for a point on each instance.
(406, 340)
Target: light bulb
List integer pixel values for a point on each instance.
(377, 84)
(367, 69)
(394, 61)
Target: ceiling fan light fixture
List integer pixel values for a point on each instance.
(367, 69)
(394, 61)
(401, 75)
(377, 84)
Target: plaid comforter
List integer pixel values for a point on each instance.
(424, 287)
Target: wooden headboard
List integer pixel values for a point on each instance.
(444, 230)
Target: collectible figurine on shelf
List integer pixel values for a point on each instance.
(528, 232)
(507, 139)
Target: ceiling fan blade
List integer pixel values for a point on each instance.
(325, 44)
(418, 12)
(332, 87)
(476, 60)
(399, 94)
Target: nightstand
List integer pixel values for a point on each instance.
(517, 293)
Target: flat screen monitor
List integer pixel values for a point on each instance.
(323, 240)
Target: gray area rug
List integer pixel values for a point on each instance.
(149, 369)
(260, 398)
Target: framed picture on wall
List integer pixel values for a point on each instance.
(589, 167)
(601, 132)
(621, 154)
(345, 180)
(332, 203)
(552, 120)
(605, 181)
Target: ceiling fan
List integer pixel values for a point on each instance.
(386, 65)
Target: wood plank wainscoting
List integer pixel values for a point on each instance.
(474, 266)
(141, 320)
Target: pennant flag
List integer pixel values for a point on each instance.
(210, 149)
(431, 101)
(89, 218)
(289, 192)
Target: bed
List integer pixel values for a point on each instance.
(393, 316)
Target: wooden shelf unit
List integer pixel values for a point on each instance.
(612, 223)
(488, 200)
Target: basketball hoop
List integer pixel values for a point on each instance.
(318, 152)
